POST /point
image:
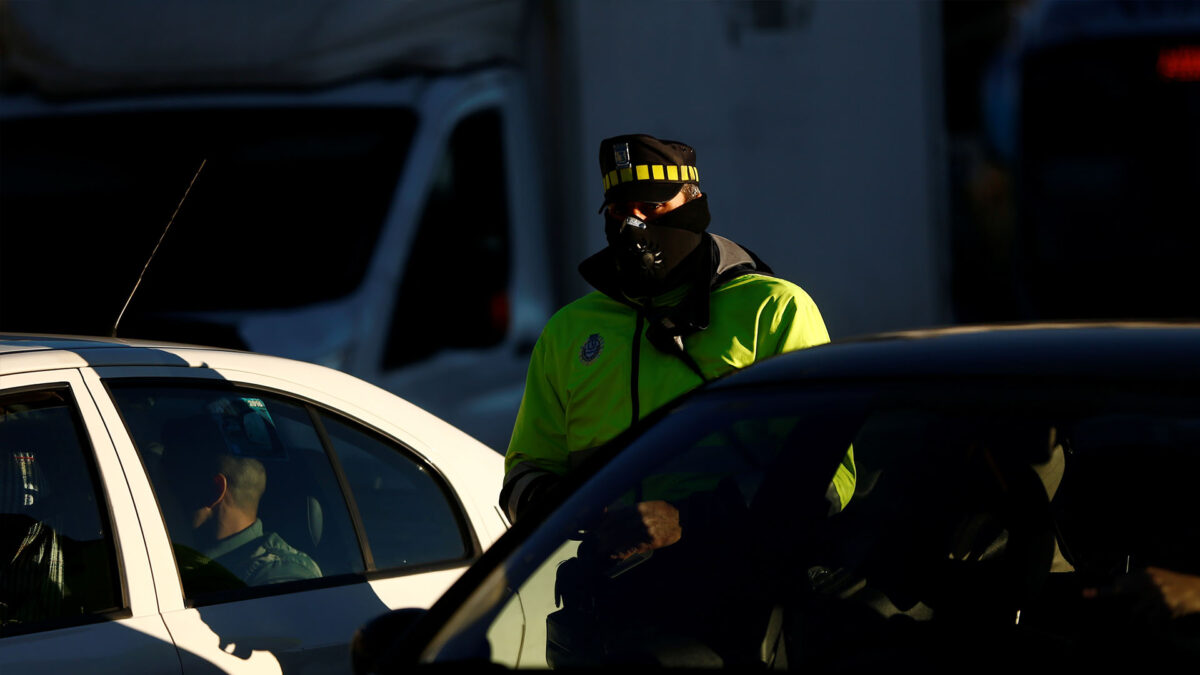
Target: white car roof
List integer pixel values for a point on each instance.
(21, 352)
(25, 353)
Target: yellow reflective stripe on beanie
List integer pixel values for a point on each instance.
(669, 172)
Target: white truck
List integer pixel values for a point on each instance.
(403, 190)
(363, 202)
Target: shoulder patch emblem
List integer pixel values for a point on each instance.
(591, 349)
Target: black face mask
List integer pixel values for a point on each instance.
(648, 253)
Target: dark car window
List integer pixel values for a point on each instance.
(407, 512)
(57, 557)
(1016, 522)
(276, 514)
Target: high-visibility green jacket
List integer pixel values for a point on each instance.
(593, 372)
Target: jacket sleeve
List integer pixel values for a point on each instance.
(537, 451)
(795, 323)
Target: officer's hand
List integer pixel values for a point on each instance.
(1180, 592)
(1135, 597)
(647, 526)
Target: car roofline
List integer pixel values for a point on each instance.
(1087, 349)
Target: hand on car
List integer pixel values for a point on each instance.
(639, 529)
(1153, 593)
(1180, 592)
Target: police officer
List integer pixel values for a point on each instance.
(674, 307)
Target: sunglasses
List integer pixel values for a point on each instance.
(627, 208)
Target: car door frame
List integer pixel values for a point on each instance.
(135, 638)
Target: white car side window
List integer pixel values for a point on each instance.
(258, 490)
(411, 518)
(57, 558)
(247, 491)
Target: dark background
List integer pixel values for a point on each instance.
(1073, 199)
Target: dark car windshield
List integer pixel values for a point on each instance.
(286, 211)
(998, 519)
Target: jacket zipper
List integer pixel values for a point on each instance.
(635, 364)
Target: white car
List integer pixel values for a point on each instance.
(116, 552)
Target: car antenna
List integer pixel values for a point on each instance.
(160, 241)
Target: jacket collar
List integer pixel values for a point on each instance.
(689, 312)
(235, 541)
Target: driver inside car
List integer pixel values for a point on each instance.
(220, 493)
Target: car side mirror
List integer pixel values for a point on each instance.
(379, 645)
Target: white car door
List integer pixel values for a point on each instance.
(369, 523)
(76, 581)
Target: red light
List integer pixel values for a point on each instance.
(498, 310)
(1179, 63)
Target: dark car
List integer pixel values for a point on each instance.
(1025, 496)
